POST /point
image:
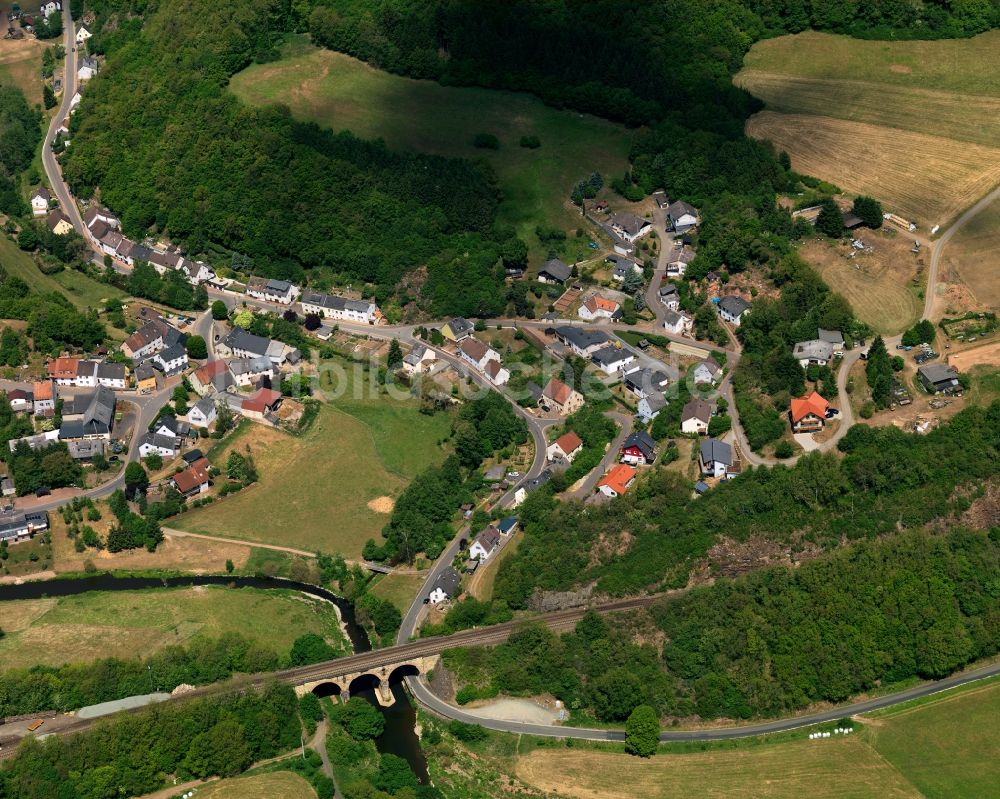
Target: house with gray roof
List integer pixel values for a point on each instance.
(732, 308)
(583, 342)
(715, 457)
(96, 420)
(939, 378)
(629, 226)
(445, 587)
(554, 271)
(238, 343)
(681, 216)
(814, 352)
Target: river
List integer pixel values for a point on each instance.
(399, 738)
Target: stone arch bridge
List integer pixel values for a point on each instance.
(380, 677)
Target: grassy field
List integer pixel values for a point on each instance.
(83, 291)
(276, 785)
(314, 491)
(972, 257)
(913, 123)
(879, 285)
(341, 92)
(399, 589)
(125, 624)
(21, 65)
(842, 768)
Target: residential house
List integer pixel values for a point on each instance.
(696, 416)
(583, 342)
(249, 371)
(7, 488)
(40, 201)
(112, 375)
(681, 216)
(165, 446)
(486, 543)
(82, 33)
(100, 219)
(58, 222)
(149, 339)
(445, 587)
(629, 226)
(238, 343)
(45, 394)
(49, 7)
(939, 378)
(496, 372)
(145, 378)
(21, 401)
(194, 479)
(202, 413)
(214, 377)
(66, 371)
(554, 271)
(197, 272)
(808, 413)
(566, 447)
(270, 290)
(262, 402)
(706, 372)
(814, 352)
(650, 406)
(834, 338)
(22, 526)
(96, 420)
(531, 487)
(330, 306)
(561, 398)
(644, 381)
(420, 359)
(457, 329)
(670, 297)
(35, 442)
(172, 360)
(639, 449)
(617, 481)
(474, 352)
(87, 68)
(678, 261)
(678, 323)
(598, 307)
(623, 267)
(85, 449)
(715, 457)
(732, 309)
(163, 261)
(169, 426)
(611, 360)
(660, 198)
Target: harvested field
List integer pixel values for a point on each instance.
(987, 355)
(972, 258)
(925, 178)
(843, 768)
(879, 285)
(276, 785)
(21, 65)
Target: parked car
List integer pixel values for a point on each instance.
(831, 412)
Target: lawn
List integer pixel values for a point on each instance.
(276, 785)
(400, 589)
(972, 257)
(83, 291)
(341, 92)
(125, 624)
(947, 747)
(914, 123)
(314, 491)
(841, 768)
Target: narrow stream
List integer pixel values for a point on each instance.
(399, 737)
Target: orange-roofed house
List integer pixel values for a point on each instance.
(617, 481)
(45, 396)
(64, 370)
(559, 397)
(194, 479)
(598, 307)
(808, 413)
(565, 447)
(212, 378)
(261, 402)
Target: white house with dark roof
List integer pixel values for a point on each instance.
(163, 445)
(238, 343)
(486, 544)
(202, 413)
(474, 352)
(629, 226)
(650, 406)
(249, 371)
(623, 266)
(681, 216)
(677, 322)
(678, 261)
(834, 338)
(40, 201)
(670, 296)
(715, 457)
(87, 68)
(282, 292)
(497, 373)
(172, 360)
(330, 306)
(111, 375)
(583, 342)
(445, 587)
(419, 359)
(814, 352)
(696, 416)
(732, 309)
(612, 360)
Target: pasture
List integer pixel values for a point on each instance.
(82, 291)
(972, 257)
(879, 285)
(21, 65)
(399, 589)
(314, 491)
(273, 785)
(125, 624)
(915, 124)
(341, 92)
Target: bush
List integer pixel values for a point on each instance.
(467, 732)
(531, 142)
(868, 410)
(486, 141)
(783, 449)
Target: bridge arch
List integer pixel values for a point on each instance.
(328, 688)
(403, 671)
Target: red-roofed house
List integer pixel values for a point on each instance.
(808, 413)
(565, 447)
(261, 402)
(44, 392)
(562, 398)
(213, 377)
(617, 481)
(194, 479)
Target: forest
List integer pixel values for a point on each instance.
(53, 322)
(887, 480)
(130, 755)
(20, 132)
(876, 613)
(189, 159)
